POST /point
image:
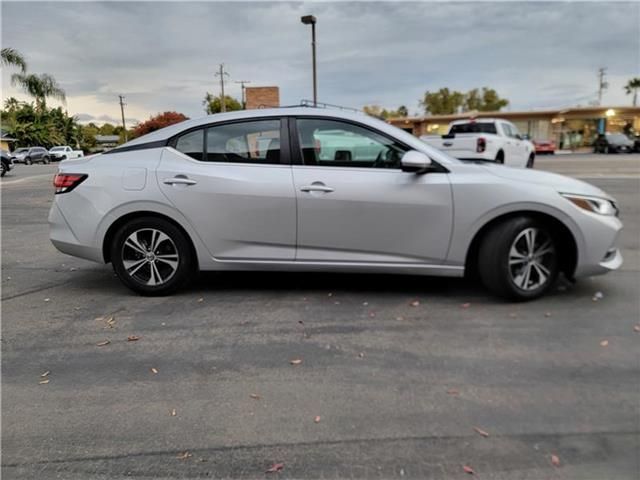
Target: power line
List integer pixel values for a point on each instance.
(124, 126)
(221, 74)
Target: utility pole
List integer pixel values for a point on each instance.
(311, 20)
(124, 126)
(221, 74)
(602, 85)
(244, 98)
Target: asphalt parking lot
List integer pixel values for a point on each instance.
(400, 376)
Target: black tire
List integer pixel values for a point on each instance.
(494, 259)
(4, 170)
(140, 227)
(46, 160)
(500, 157)
(27, 161)
(531, 160)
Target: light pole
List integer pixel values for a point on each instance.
(311, 20)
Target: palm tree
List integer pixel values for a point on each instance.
(40, 87)
(11, 57)
(633, 86)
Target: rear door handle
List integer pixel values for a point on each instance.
(316, 188)
(179, 180)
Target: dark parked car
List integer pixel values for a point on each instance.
(7, 164)
(31, 155)
(613, 143)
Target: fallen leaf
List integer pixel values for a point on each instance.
(597, 296)
(547, 314)
(276, 467)
(47, 299)
(361, 354)
(111, 322)
(330, 295)
(173, 412)
(133, 338)
(336, 303)
(45, 374)
(555, 460)
(295, 361)
(636, 328)
(604, 343)
(453, 391)
(317, 419)
(200, 300)
(365, 303)
(255, 396)
(468, 469)
(372, 314)
(399, 319)
(44, 382)
(184, 455)
(153, 370)
(481, 432)
(465, 305)
(103, 343)
(415, 303)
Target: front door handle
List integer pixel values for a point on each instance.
(179, 180)
(316, 187)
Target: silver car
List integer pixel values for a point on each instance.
(306, 189)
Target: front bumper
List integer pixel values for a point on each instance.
(600, 253)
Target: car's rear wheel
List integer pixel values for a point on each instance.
(500, 157)
(152, 256)
(518, 259)
(46, 160)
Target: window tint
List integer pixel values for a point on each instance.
(340, 144)
(191, 144)
(474, 128)
(509, 130)
(255, 141)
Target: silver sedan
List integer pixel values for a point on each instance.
(307, 189)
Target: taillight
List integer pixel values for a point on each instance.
(481, 145)
(65, 182)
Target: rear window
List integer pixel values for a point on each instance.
(474, 128)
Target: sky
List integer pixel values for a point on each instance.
(162, 56)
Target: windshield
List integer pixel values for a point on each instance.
(57, 149)
(475, 127)
(617, 137)
(20, 150)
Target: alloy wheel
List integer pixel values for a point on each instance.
(531, 259)
(150, 257)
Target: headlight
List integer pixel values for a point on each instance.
(601, 206)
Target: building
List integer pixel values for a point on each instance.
(106, 142)
(262, 97)
(6, 141)
(570, 128)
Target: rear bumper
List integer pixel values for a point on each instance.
(63, 238)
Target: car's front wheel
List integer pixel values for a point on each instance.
(518, 259)
(530, 161)
(152, 256)
(27, 161)
(4, 170)
(46, 160)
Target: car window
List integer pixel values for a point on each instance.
(192, 144)
(506, 128)
(474, 127)
(334, 143)
(514, 131)
(256, 141)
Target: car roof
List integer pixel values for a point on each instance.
(170, 131)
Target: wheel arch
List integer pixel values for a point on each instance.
(113, 228)
(568, 243)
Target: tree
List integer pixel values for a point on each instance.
(159, 121)
(40, 86)
(402, 111)
(213, 105)
(442, 102)
(382, 113)
(11, 57)
(107, 129)
(632, 86)
(488, 101)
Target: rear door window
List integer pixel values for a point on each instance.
(475, 127)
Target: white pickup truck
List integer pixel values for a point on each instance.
(485, 139)
(64, 152)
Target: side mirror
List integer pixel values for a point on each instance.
(414, 161)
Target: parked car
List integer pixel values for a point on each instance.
(64, 152)
(544, 147)
(613, 143)
(31, 155)
(6, 162)
(486, 139)
(213, 194)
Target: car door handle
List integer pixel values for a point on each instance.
(179, 181)
(316, 188)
